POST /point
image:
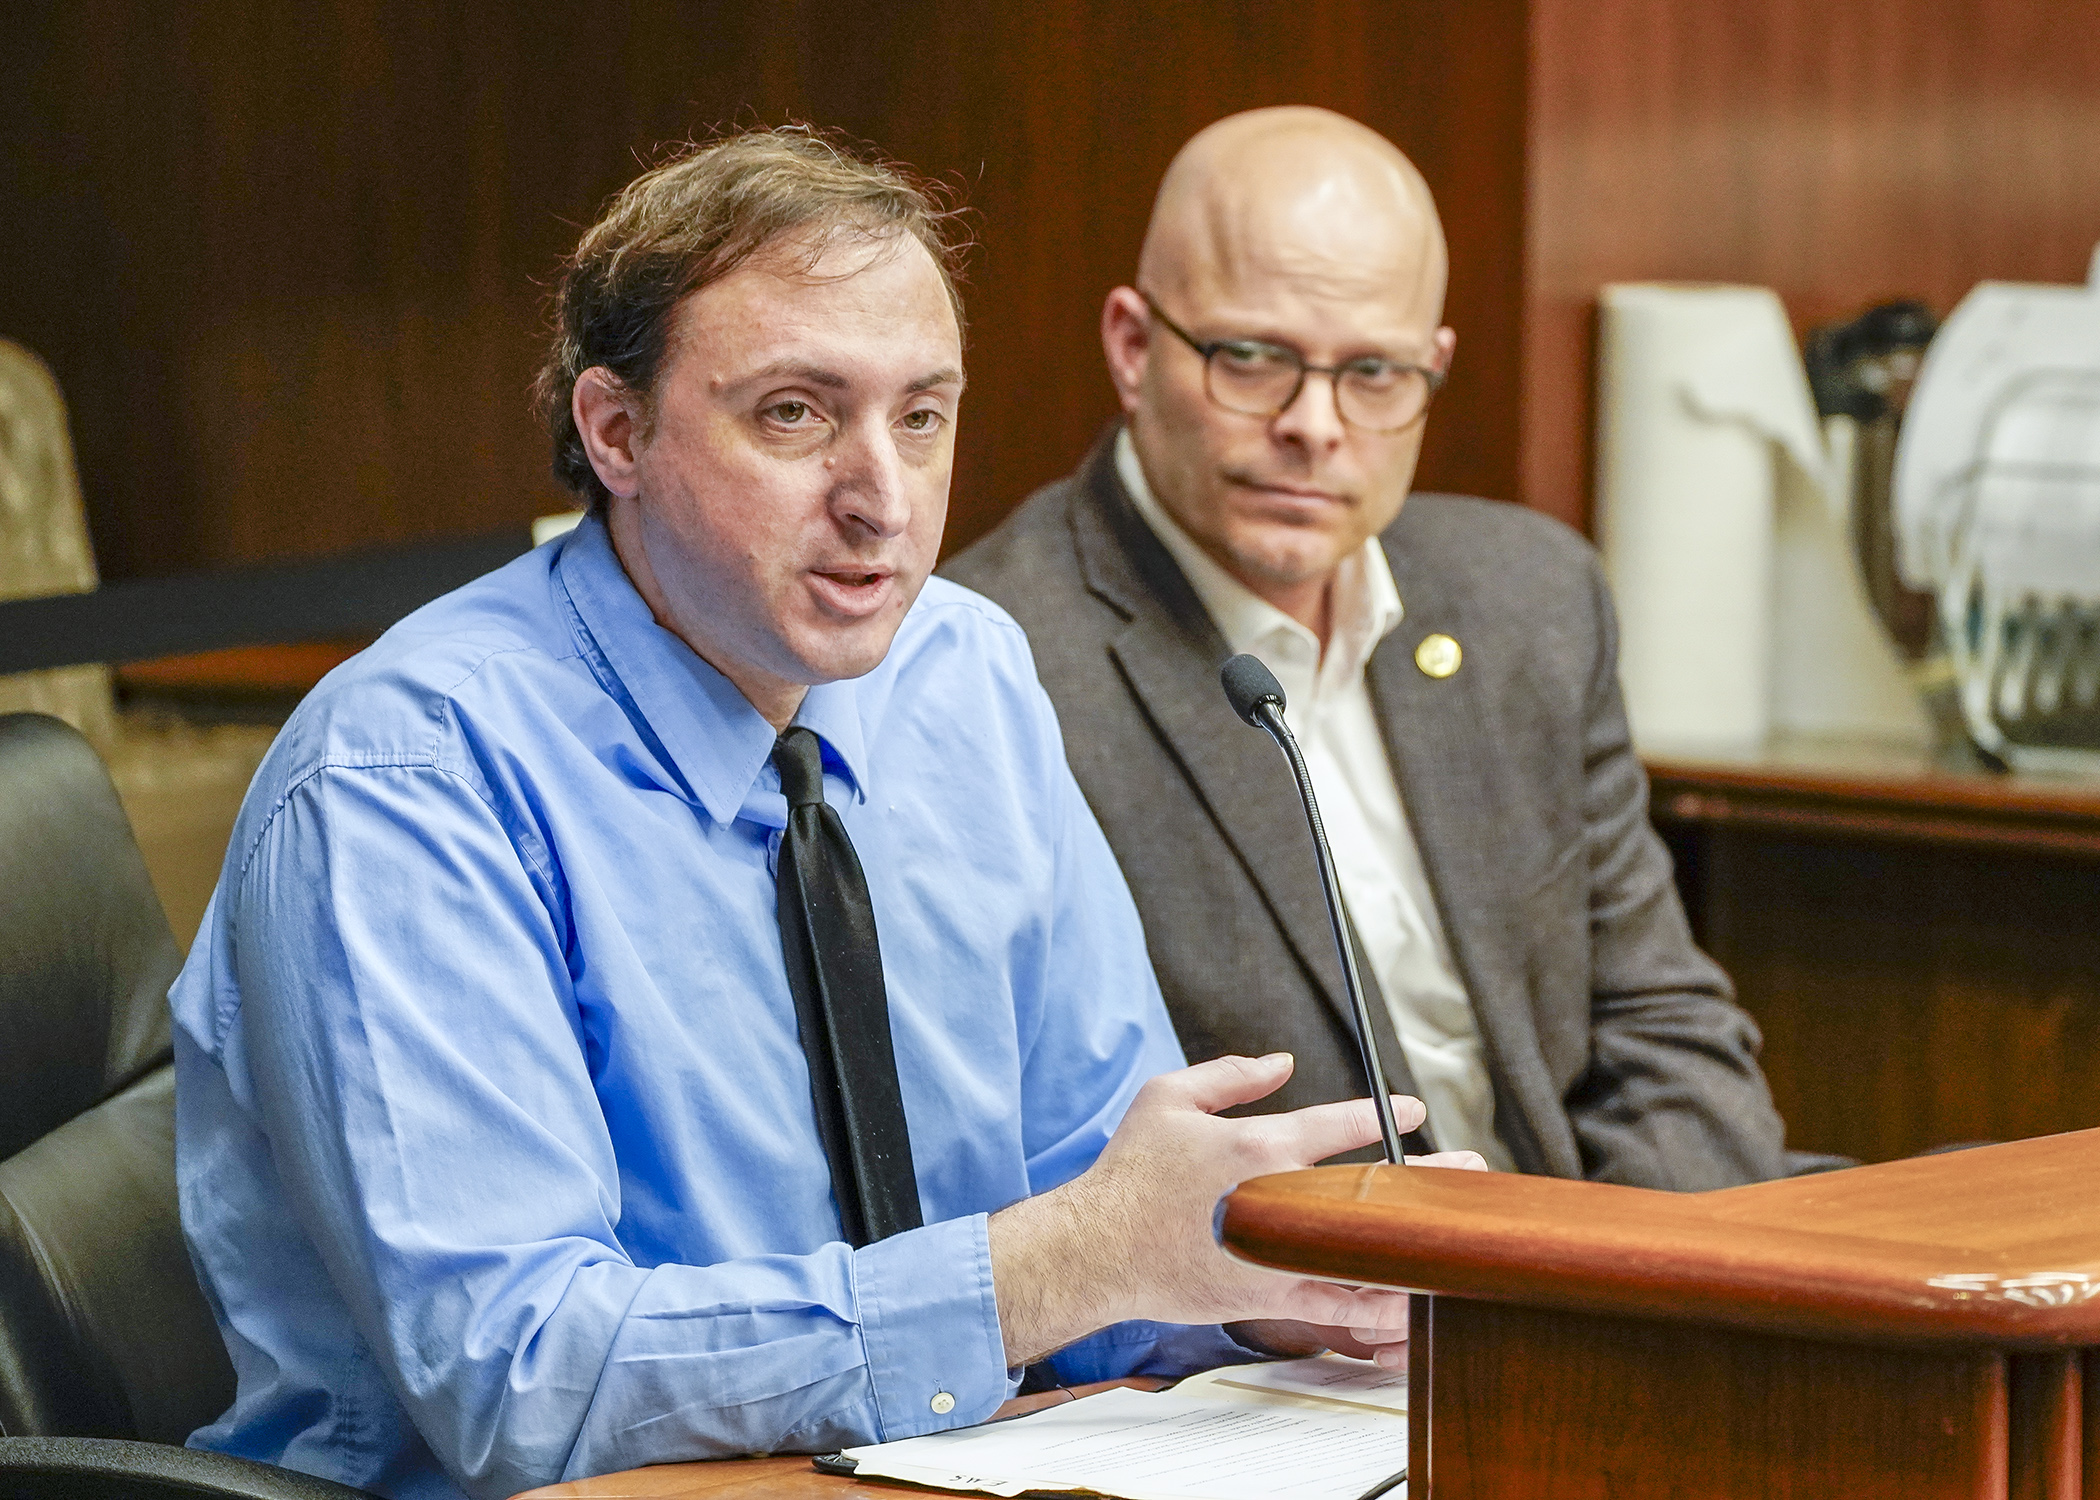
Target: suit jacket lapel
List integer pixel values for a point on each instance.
(1170, 654)
(1437, 738)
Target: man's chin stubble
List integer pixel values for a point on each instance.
(1270, 570)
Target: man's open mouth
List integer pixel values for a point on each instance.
(854, 590)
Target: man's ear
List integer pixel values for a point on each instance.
(604, 410)
(1126, 342)
(1446, 345)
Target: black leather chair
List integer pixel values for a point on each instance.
(108, 1352)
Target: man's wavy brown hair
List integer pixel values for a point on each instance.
(692, 220)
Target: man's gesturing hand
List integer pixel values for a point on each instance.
(1131, 1237)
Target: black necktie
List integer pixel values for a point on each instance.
(834, 967)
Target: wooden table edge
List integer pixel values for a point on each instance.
(1598, 1248)
(2055, 815)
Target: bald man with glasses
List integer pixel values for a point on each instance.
(1451, 671)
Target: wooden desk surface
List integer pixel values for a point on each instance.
(1862, 789)
(1997, 1246)
(781, 1478)
(725, 1479)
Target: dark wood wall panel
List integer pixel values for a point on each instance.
(287, 259)
(1840, 151)
(1911, 996)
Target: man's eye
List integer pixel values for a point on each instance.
(788, 413)
(1375, 374)
(925, 420)
(1252, 356)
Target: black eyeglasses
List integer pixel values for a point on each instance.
(1260, 379)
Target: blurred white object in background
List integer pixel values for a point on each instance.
(1997, 500)
(1726, 543)
(547, 528)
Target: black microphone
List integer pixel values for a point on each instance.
(1257, 697)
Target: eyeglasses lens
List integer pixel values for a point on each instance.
(1261, 380)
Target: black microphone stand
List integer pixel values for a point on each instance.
(1259, 700)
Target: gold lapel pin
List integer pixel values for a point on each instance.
(1438, 655)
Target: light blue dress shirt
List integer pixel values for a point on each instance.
(495, 1145)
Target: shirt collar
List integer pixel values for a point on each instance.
(1366, 599)
(716, 741)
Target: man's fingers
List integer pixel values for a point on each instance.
(1355, 1308)
(1463, 1161)
(1379, 1335)
(1323, 1130)
(1408, 1113)
(1225, 1081)
(1346, 1341)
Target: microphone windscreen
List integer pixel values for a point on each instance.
(1248, 684)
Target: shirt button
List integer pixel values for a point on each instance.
(942, 1403)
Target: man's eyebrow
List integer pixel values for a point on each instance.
(1393, 352)
(814, 374)
(832, 380)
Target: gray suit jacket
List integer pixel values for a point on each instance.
(1616, 1050)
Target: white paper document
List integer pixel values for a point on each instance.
(1328, 1380)
(1314, 1429)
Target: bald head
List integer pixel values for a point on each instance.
(1282, 238)
(1301, 191)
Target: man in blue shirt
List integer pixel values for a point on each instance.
(496, 1145)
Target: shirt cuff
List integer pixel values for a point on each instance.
(930, 1324)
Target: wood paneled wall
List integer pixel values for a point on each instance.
(1840, 151)
(288, 259)
(1911, 996)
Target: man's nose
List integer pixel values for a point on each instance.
(867, 481)
(1313, 417)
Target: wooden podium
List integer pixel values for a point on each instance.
(1916, 1329)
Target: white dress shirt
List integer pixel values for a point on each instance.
(1383, 883)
